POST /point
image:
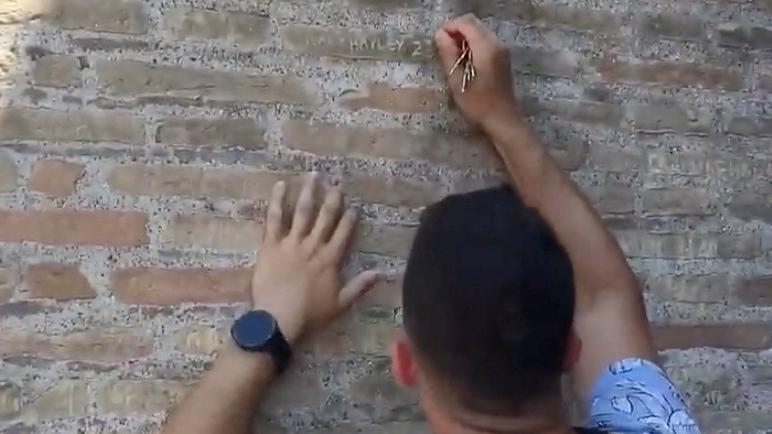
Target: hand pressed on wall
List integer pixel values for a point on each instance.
(297, 278)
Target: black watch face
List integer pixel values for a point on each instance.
(254, 329)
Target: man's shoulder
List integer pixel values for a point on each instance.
(636, 396)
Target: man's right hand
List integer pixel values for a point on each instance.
(491, 93)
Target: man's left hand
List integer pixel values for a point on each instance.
(297, 278)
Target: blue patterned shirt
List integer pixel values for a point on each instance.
(634, 396)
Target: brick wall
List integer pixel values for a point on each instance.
(140, 139)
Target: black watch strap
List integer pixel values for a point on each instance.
(258, 332)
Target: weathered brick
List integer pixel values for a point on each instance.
(134, 397)
(591, 112)
(765, 82)
(70, 126)
(208, 183)
(239, 28)
(669, 26)
(199, 340)
(213, 233)
(667, 117)
(380, 397)
(660, 202)
(732, 168)
(57, 281)
(612, 199)
(743, 246)
(56, 71)
(211, 132)
(669, 73)
(750, 126)
(55, 178)
(339, 140)
(710, 288)
(677, 163)
(381, 96)
(558, 63)
(99, 345)
(734, 35)
(667, 246)
(109, 44)
(592, 20)
(755, 291)
(19, 11)
(735, 421)
(352, 44)
(9, 280)
(742, 336)
(387, 294)
(285, 396)
(114, 16)
(389, 240)
(75, 227)
(8, 173)
(67, 398)
(10, 400)
(751, 206)
(161, 286)
(20, 309)
(349, 336)
(618, 159)
(134, 78)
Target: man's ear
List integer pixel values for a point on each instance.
(573, 351)
(403, 363)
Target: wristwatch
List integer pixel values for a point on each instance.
(258, 332)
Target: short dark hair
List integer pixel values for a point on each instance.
(489, 300)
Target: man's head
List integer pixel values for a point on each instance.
(488, 305)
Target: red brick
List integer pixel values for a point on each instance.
(751, 206)
(157, 286)
(754, 37)
(213, 233)
(750, 126)
(381, 96)
(388, 240)
(669, 26)
(211, 132)
(556, 63)
(670, 117)
(115, 16)
(239, 28)
(9, 280)
(660, 202)
(669, 73)
(8, 173)
(55, 178)
(345, 141)
(57, 281)
(668, 246)
(612, 199)
(70, 126)
(99, 344)
(130, 78)
(139, 397)
(747, 336)
(212, 183)
(756, 291)
(65, 227)
(709, 288)
(57, 71)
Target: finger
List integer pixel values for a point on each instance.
(341, 238)
(304, 209)
(476, 33)
(328, 217)
(357, 287)
(447, 48)
(274, 227)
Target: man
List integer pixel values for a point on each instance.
(503, 293)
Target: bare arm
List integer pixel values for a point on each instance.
(610, 317)
(297, 279)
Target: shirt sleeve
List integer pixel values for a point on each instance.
(635, 396)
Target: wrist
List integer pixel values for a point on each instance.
(509, 114)
(290, 325)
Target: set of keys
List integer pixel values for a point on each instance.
(465, 61)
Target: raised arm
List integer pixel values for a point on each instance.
(297, 280)
(610, 317)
